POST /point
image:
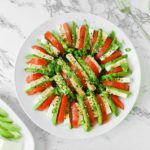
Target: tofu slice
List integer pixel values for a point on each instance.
(124, 79)
(77, 37)
(62, 32)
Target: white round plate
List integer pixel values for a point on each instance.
(27, 101)
(27, 139)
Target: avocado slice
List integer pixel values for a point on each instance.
(118, 92)
(3, 113)
(5, 133)
(55, 110)
(5, 119)
(111, 103)
(73, 29)
(85, 113)
(9, 126)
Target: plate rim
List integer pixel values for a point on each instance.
(89, 136)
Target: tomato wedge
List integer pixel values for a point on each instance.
(36, 47)
(92, 65)
(123, 86)
(104, 48)
(103, 109)
(115, 70)
(47, 102)
(49, 36)
(111, 57)
(117, 101)
(39, 88)
(67, 81)
(38, 61)
(82, 35)
(62, 110)
(74, 115)
(68, 33)
(90, 113)
(79, 74)
(33, 77)
(95, 35)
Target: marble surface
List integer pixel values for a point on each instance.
(18, 18)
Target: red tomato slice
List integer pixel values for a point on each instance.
(111, 57)
(33, 77)
(49, 36)
(47, 102)
(39, 88)
(115, 70)
(92, 65)
(82, 35)
(68, 33)
(79, 74)
(62, 110)
(95, 35)
(36, 47)
(67, 81)
(90, 113)
(117, 101)
(103, 109)
(104, 48)
(123, 86)
(38, 61)
(74, 115)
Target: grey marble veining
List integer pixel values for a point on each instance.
(17, 17)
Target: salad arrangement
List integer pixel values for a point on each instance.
(79, 75)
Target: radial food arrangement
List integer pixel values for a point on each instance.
(79, 74)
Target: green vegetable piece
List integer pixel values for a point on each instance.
(56, 110)
(9, 126)
(85, 113)
(16, 135)
(114, 75)
(127, 49)
(5, 119)
(42, 70)
(111, 103)
(3, 113)
(74, 26)
(30, 56)
(6, 134)
(87, 42)
(124, 66)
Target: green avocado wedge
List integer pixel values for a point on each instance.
(56, 110)
(85, 113)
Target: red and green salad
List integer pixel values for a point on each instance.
(79, 74)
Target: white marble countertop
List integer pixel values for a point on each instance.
(18, 18)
